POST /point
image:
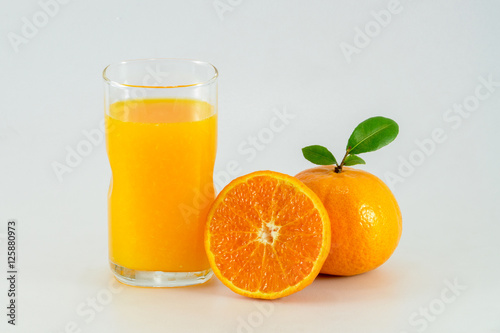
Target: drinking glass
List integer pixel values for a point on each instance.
(161, 140)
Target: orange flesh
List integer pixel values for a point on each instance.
(162, 153)
(266, 235)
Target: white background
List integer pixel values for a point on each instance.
(272, 55)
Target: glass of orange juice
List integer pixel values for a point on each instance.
(161, 139)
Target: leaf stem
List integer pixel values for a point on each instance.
(338, 167)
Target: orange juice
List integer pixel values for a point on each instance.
(162, 153)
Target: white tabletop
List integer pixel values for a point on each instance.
(329, 65)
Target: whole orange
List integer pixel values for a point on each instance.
(365, 218)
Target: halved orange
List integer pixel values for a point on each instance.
(267, 235)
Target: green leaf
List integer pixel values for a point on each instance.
(318, 155)
(372, 134)
(353, 160)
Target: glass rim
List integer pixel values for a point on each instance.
(197, 84)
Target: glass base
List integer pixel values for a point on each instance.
(137, 278)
